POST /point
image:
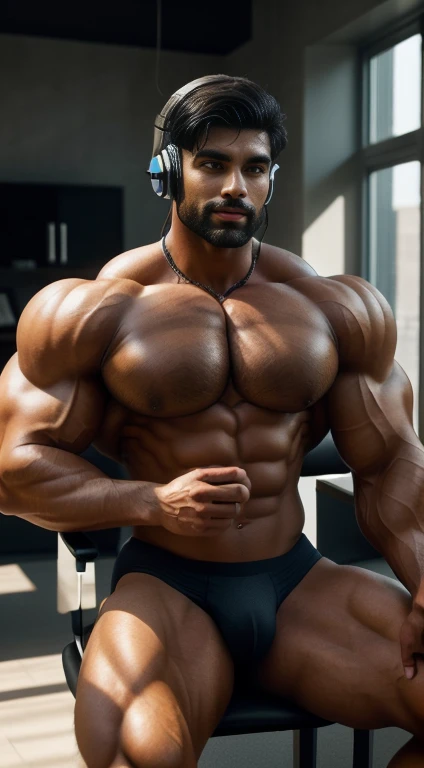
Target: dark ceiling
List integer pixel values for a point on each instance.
(192, 27)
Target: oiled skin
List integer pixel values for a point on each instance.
(165, 401)
(248, 418)
(162, 377)
(141, 352)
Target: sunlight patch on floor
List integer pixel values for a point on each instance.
(31, 672)
(13, 579)
(37, 732)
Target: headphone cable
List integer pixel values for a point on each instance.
(166, 226)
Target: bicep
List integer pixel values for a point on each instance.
(66, 415)
(371, 419)
(51, 391)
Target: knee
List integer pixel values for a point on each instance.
(152, 738)
(149, 732)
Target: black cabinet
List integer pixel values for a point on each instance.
(60, 226)
(89, 224)
(25, 211)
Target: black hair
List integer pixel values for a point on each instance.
(235, 102)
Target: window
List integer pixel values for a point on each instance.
(392, 129)
(394, 248)
(395, 90)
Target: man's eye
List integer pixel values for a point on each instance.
(212, 164)
(256, 169)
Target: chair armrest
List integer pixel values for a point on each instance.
(76, 581)
(81, 548)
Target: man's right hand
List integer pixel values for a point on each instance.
(203, 502)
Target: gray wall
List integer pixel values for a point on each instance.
(81, 113)
(305, 54)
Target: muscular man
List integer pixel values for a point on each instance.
(209, 366)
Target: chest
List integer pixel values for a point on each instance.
(177, 349)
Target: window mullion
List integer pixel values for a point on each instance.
(392, 214)
(397, 149)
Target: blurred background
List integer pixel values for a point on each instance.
(80, 85)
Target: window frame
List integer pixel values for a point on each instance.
(388, 153)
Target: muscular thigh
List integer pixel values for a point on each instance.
(336, 650)
(153, 653)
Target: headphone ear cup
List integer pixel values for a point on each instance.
(165, 172)
(159, 175)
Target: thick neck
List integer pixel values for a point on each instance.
(219, 296)
(201, 262)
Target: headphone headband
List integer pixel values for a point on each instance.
(165, 165)
(161, 136)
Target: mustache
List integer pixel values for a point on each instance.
(249, 210)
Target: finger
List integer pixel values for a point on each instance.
(217, 475)
(221, 510)
(218, 494)
(208, 512)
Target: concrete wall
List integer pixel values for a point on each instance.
(81, 113)
(306, 55)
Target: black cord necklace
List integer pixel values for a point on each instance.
(219, 296)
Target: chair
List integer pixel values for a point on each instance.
(250, 710)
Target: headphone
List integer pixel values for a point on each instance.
(165, 166)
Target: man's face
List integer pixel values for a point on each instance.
(225, 185)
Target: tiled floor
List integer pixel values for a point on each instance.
(36, 731)
(36, 707)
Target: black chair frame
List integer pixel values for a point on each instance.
(250, 710)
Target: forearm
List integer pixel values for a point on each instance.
(61, 491)
(390, 512)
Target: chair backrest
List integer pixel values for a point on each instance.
(324, 459)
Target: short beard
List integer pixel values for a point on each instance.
(226, 235)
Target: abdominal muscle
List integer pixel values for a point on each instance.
(268, 445)
(259, 538)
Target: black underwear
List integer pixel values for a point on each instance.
(242, 598)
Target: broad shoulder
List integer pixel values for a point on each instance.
(69, 324)
(277, 265)
(68, 300)
(361, 319)
(144, 265)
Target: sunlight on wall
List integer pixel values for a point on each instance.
(323, 243)
(13, 579)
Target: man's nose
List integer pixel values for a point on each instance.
(234, 185)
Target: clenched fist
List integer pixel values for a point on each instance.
(203, 502)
